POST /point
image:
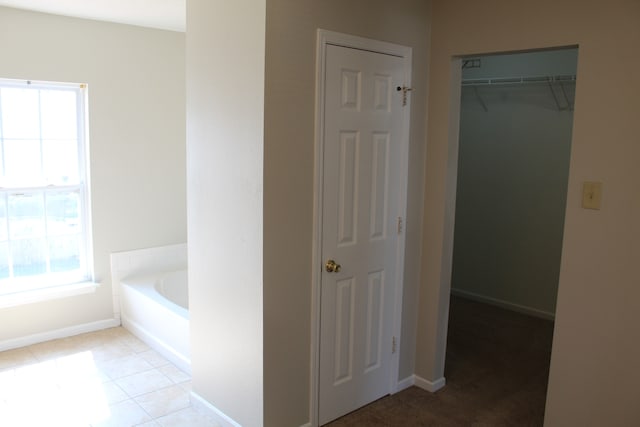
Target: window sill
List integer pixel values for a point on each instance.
(44, 294)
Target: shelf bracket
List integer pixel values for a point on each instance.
(479, 98)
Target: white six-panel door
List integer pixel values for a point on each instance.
(363, 126)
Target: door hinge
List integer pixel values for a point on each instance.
(393, 345)
(399, 225)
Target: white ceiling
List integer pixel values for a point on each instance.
(162, 14)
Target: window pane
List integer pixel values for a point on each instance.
(63, 214)
(3, 219)
(42, 179)
(4, 260)
(60, 162)
(59, 117)
(1, 161)
(28, 257)
(26, 215)
(20, 113)
(22, 163)
(64, 253)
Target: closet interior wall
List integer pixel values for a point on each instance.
(515, 142)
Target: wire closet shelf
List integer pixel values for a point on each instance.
(520, 80)
(550, 81)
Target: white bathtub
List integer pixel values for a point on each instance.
(155, 308)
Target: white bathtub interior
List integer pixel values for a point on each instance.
(174, 287)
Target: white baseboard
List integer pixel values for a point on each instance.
(200, 404)
(306, 425)
(431, 386)
(405, 383)
(504, 304)
(414, 380)
(158, 345)
(58, 333)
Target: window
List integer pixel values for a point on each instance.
(44, 221)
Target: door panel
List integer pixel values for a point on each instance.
(348, 190)
(378, 213)
(345, 293)
(375, 316)
(361, 194)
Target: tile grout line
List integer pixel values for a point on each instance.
(53, 352)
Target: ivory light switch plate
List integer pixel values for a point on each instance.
(591, 195)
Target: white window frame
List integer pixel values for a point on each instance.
(60, 284)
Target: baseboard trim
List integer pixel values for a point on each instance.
(405, 383)
(431, 386)
(504, 304)
(414, 380)
(58, 333)
(158, 345)
(306, 425)
(200, 404)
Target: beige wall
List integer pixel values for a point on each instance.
(137, 143)
(288, 179)
(595, 366)
(225, 109)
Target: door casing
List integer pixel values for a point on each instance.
(325, 38)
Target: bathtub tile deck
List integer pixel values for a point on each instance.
(104, 378)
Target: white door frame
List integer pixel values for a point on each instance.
(325, 38)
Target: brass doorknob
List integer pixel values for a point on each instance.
(332, 266)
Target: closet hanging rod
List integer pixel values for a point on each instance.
(519, 80)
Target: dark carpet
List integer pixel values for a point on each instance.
(497, 366)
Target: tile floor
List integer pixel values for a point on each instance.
(105, 378)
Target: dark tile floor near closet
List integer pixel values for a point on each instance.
(496, 370)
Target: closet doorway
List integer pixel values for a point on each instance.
(516, 118)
